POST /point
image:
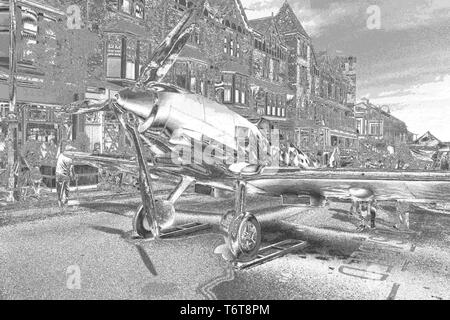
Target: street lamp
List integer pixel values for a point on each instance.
(12, 117)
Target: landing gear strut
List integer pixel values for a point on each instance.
(164, 211)
(243, 231)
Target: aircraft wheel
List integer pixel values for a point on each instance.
(165, 216)
(245, 237)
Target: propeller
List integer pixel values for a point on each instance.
(87, 106)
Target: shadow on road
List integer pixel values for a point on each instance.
(126, 236)
(146, 259)
(320, 244)
(119, 209)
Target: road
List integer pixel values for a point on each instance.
(91, 254)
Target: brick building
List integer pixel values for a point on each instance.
(377, 123)
(272, 95)
(265, 68)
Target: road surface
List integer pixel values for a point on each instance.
(91, 254)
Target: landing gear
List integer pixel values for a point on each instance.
(165, 217)
(243, 231)
(164, 213)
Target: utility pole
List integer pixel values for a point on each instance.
(13, 159)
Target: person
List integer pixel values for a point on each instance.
(444, 165)
(36, 179)
(361, 210)
(64, 173)
(435, 158)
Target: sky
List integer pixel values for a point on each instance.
(402, 47)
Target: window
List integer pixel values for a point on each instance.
(228, 88)
(237, 92)
(195, 37)
(241, 87)
(132, 7)
(231, 47)
(144, 54)
(181, 72)
(29, 32)
(374, 129)
(131, 51)
(203, 88)
(139, 9)
(114, 57)
(193, 84)
(126, 6)
(225, 45)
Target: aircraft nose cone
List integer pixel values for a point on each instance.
(140, 103)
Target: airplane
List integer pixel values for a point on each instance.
(165, 123)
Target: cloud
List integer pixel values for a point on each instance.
(316, 20)
(431, 91)
(423, 107)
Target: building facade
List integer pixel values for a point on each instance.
(263, 69)
(377, 123)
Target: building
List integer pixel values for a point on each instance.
(269, 82)
(263, 69)
(377, 123)
(334, 121)
(324, 88)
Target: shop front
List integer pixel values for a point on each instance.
(39, 132)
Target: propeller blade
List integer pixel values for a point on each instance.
(86, 106)
(167, 52)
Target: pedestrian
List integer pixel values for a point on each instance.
(444, 165)
(435, 158)
(64, 173)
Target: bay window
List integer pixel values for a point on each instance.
(125, 57)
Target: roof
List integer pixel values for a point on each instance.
(429, 140)
(288, 21)
(261, 25)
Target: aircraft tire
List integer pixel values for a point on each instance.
(140, 224)
(244, 236)
(165, 215)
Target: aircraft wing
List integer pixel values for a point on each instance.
(410, 186)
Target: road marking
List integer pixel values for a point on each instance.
(394, 291)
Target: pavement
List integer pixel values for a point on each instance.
(90, 253)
